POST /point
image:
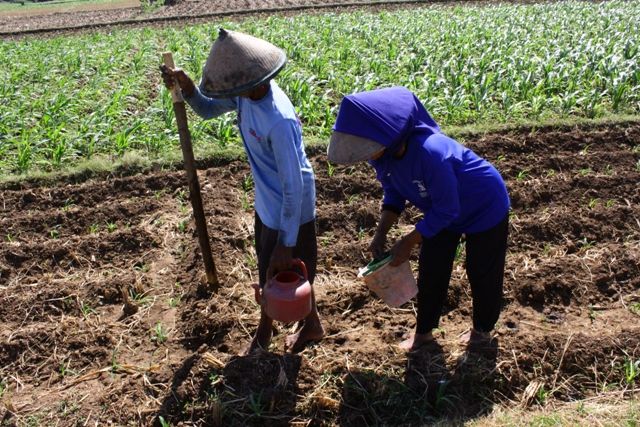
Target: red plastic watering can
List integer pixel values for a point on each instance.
(287, 295)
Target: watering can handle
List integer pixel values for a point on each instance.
(257, 293)
(298, 262)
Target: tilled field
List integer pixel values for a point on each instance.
(103, 319)
(108, 15)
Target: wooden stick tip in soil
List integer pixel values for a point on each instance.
(192, 178)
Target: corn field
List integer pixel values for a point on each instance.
(73, 98)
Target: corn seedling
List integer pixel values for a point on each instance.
(182, 225)
(64, 369)
(247, 183)
(459, 252)
(67, 408)
(542, 395)
(362, 233)
(592, 314)
(251, 260)
(33, 421)
(441, 398)
(631, 370)
(326, 239)
(68, 204)
(247, 186)
(54, 233)
(93, 228)
(9, 237)
(181, 195)
(141, 266)
(635, 308)
(593, 203)
(163, 422)
(585, 243)
(137, 297)
(522, 175)
(3, 388)
(159, 333)
(585, 171)
(330, 169)
(86, 309)
(111, 227)
(548, 72)
(585, 150)
(255, 404)
(174, 301)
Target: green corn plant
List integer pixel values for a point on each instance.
(480, 65)
(631, 370)
(159, 333)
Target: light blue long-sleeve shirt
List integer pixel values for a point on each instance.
(272, 136)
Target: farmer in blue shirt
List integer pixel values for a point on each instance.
(238, 77)
(458, 192)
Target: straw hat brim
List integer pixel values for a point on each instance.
(238, 63)
(346, 149)
(235, 91)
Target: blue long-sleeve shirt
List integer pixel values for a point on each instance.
(272, 136)
(455, 188)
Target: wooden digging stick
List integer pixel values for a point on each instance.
(192, 177)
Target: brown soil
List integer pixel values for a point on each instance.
(69, 251)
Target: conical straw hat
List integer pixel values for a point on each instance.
(239, 62)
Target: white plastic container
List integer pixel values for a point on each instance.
(395, 285)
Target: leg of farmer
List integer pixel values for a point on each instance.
(310, 328)
(486, 252)
(436, 262)
(265, 241)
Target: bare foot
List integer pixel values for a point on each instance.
(261, 340)
(474, 337)
(310, 331)
(416, 341)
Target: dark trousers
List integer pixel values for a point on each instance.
(306, 247)
(485, 260)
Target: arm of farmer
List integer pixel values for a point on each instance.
(205, 107)
(282, 138)
(392, 206)
(379, 241)
(442, 183)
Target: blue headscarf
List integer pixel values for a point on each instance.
(387, 116)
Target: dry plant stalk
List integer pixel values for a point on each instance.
(129, 308)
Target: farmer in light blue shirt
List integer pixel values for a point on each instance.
(238, 77)
(458, 192)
